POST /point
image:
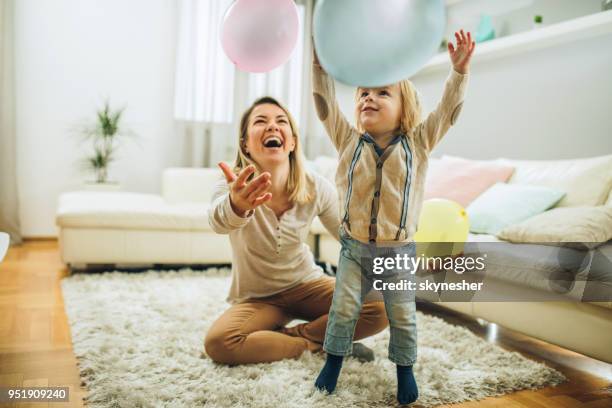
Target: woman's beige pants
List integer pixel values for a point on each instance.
(254, 332)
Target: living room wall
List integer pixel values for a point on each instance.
(70, 56)
(552, 103)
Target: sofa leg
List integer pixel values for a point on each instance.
(76, 267)
(317, 247)
(328, 268)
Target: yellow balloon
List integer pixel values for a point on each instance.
(441, 221)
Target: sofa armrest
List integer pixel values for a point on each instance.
(189, 184)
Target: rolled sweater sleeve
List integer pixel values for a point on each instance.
(221, 216)
(328, 110)
(437, 123)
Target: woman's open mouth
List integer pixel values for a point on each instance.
(273, 142)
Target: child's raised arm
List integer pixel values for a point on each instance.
(437, 123)
(328, 111)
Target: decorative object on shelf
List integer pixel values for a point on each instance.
(485, 31)
(596, 25)
(606, 5)
(443, 45)
(104, 135)
(537, 21)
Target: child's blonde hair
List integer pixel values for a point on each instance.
(411, 107)
(297, 182)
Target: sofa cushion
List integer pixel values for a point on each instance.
(505, 204)
(587, 225)
(462, 180)
(93, 209)
(585, 181)
(326, 166)
(189, 185)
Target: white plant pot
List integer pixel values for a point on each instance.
(107, 186)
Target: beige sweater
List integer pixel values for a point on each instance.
(381, 197)
(270, 255)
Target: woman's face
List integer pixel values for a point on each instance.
(269, 135)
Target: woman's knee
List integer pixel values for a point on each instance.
(218, 347)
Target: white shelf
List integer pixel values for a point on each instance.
(577, 29)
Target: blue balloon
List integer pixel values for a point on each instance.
(374, 43)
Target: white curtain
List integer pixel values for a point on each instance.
(204, 83)
(285, 82)
(210, 94)
(9, 206)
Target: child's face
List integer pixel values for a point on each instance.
(269, 135)
(379, 109)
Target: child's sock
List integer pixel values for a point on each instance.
(407, 390)
(328, 377)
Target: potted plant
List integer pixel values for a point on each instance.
(105, 136)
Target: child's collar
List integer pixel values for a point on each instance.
(379, 150)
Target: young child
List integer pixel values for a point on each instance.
(380, 178)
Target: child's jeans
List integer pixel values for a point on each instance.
(354, 280)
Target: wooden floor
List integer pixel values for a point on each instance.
(36, 350)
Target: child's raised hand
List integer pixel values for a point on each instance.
(462, 54)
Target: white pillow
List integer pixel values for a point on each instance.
(586, 225)
(585, 181)
(609, 202)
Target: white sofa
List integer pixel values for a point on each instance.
(583, 327)
(134, 229)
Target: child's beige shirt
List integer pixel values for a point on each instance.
(381, 196)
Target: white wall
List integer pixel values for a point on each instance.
(553, 103)
(70, 56)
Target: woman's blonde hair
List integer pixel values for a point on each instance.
(411, 107)
(297, 182)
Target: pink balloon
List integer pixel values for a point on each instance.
(259, 35)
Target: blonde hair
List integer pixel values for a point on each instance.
(410, 115)
(297, 182)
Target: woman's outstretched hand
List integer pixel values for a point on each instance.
(462, 54)
(246, 196)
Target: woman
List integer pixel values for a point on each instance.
(266, 206)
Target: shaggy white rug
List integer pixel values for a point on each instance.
(139, 341)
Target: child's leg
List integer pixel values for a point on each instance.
(343, 315)
(401, 312)
(403, 346)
